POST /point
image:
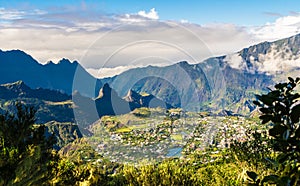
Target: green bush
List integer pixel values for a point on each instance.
(281, 109)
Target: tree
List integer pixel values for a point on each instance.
(25, 151)
(281, 109)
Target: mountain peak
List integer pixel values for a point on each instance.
(15, 52)
(64, 61)
(17, 57)
(20, 82)
(17, 86)
(132, 96)
(183, 63)
(50, 63)
(105, 90)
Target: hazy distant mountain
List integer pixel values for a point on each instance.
(210, 85)
(16, 65)
(179, 85)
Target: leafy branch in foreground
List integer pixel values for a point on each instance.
(281, 109)
(24, 149)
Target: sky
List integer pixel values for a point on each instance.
(108, 37)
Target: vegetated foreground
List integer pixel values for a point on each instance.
(160, 147)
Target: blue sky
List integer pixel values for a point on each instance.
(113, 36)
(254, 12)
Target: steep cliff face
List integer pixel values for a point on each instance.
(270, 57)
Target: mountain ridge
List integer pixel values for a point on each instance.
(20, 90)
(16, 65)
(283, 54)
(52, 105)
(219, 83)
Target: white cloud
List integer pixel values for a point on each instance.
(184, 21)
(110, 42)
(11, 14)
(152, 14)
(235, 61)
(105, 41)
(283, 27)
(141, 16)
(108, 72)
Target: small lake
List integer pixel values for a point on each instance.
(174, 152)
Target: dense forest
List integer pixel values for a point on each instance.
(269, 155)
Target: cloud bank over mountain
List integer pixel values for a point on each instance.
(284, 26)
(99, 40)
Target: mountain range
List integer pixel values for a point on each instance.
(226, 82)
(53, 105)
